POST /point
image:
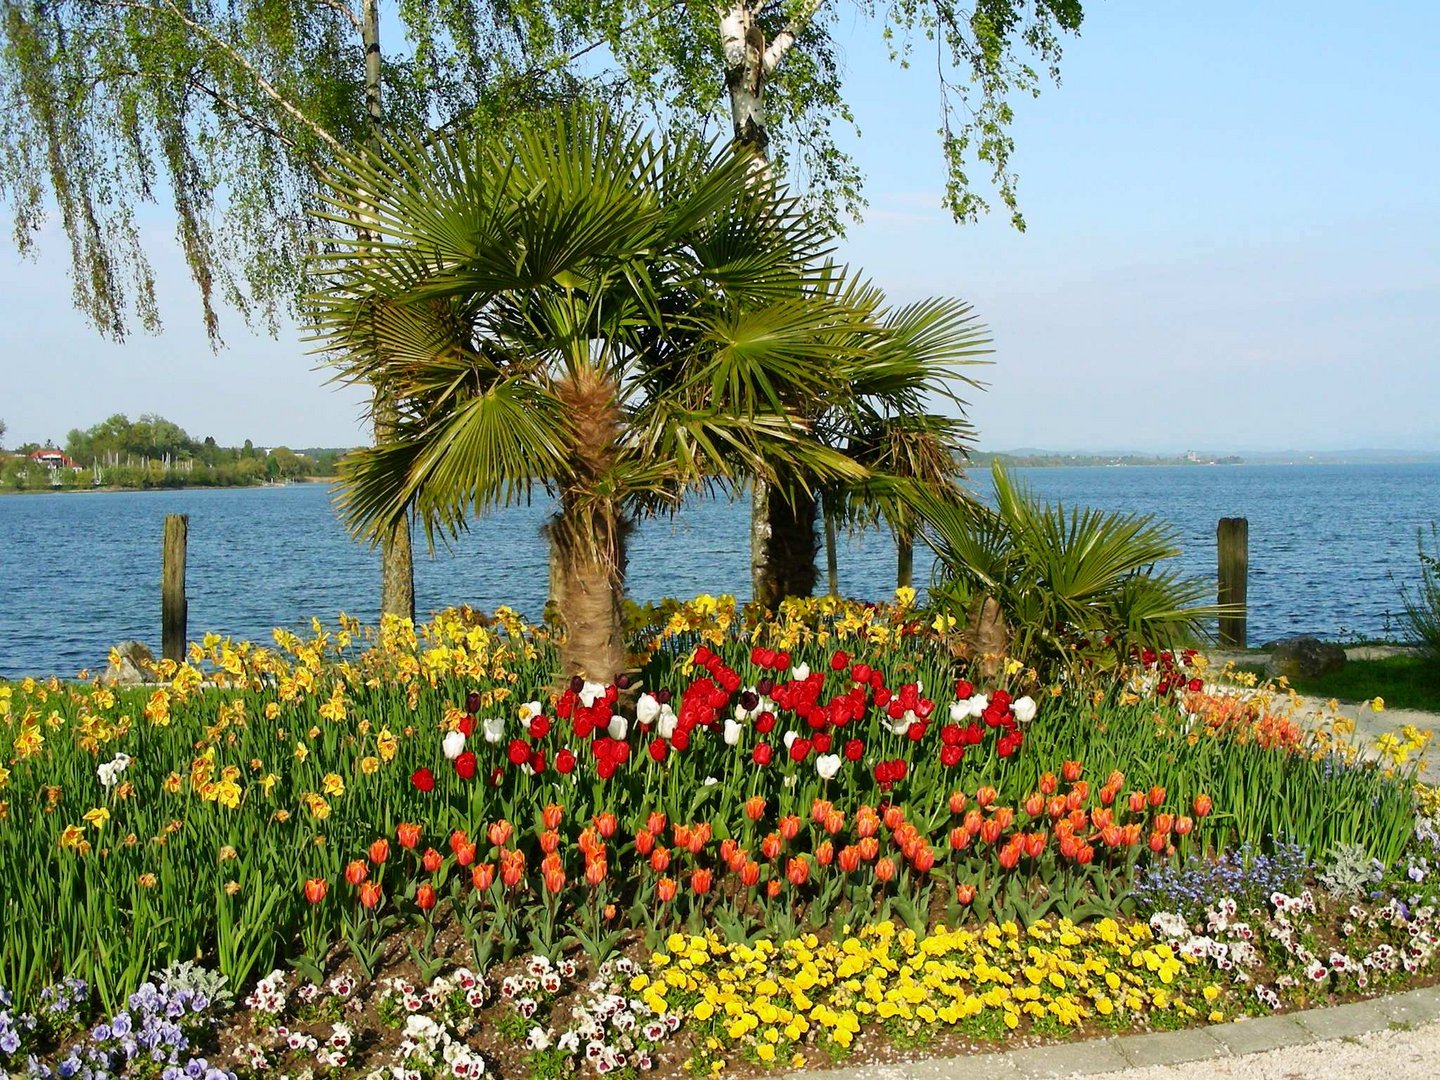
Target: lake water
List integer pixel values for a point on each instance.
(80, 571)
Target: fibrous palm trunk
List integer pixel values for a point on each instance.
(587, 537)
(783, 543)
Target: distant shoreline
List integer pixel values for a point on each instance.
(110, 489)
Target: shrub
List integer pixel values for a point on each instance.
(1422, 607)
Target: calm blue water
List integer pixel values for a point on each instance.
(81, 571)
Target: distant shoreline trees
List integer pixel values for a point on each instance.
(152, 452)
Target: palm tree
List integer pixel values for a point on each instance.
(1058, 588)
(616, 318)
(908, 361)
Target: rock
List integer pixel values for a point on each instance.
(1304, 658)
(131, 664)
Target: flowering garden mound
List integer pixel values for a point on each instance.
(782, 840)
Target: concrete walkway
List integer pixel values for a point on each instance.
(1302, 1044)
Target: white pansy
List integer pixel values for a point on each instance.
(666, 722)
(617, 727)
(590, 692)
(827, 765)
(493, 728)
(800, 672)
(732, 733)
(790, 737)
(1024, 709)
(453, 744)
(978, 704)
(647, 708)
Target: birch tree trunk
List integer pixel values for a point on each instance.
(782, 523)
(397, 565)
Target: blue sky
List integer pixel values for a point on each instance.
(1233, 243)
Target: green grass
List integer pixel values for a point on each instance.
(1405, 682)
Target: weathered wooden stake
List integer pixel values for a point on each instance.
(173, 607)
(1232, 540)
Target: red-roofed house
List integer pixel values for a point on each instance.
(55, 459)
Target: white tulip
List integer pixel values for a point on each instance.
(666, 722)
(453, 744)
(1024, 709)
(493, 728)
(790, 737)
(800, 672)
(617, 727)
(827, 765)
(959, 712)
(978, 704)
(530, 710)
(732, 733)
(590, 691)
(902, 725)
(647, 708)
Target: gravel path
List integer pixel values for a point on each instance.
(1395, 1055)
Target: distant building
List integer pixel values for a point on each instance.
(55, 459)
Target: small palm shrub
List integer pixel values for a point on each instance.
(1422, 604)
(1063, 590)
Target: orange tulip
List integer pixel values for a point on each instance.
(849, 858)
(973, 820)
(1085, 855)
(1005, 816)
(1116, 779)
(965, 894)
(866, 821)
(750, 873)
(700, 881)
(549, 841)
(595, 872)
(957, 802)
(553, 878)
(1132, 834)
(660, 860)
(1009, 855)
(483, 875)
(990, 831)
(1035, 844)
(755, 807)
(885, 869)
(697, 841)
(465, 854)
(770, 846)
(1108, 794)
(1164, 822)
(1183, 825)
(1079, 793)
(797, 871)
(959, 838)
(1048, 783)
(1137, 802)
(644, 842)
(1157, 795)
(370, 894)
(1057, 807)
(408, 835)
(986, 795)
(820, 810)
(772, 888)
(923, 860)
(425, 897)
(512, 868)
(356, 872)
(1102, 817)
(655, 822)
(431, 860)
(1202, 806)
(1035, 805)
(552, 815)
(790, 826)
(1078, 819)
(869, 848)
(1068, 847)
(825, 853)
(499, 833)
(665, 890)
(1071, 771)
(315, 889)
(1158, 841)
(894, 817)
(834, 822)
(606, 824)
(379, 851)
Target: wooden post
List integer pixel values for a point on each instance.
(1232, 540)
(173, 607)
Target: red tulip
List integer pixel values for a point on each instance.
(466, 764)
(423, 779)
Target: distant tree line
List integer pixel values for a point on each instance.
(152, 452)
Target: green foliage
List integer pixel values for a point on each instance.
(1422, 607)
(1078, 589)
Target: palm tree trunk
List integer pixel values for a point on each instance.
(588, 536)
(904, 559)
(832, 562)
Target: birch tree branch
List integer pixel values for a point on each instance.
(785, 39)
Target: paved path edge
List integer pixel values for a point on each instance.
(1087, 1057)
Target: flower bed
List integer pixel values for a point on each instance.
(419, 805)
